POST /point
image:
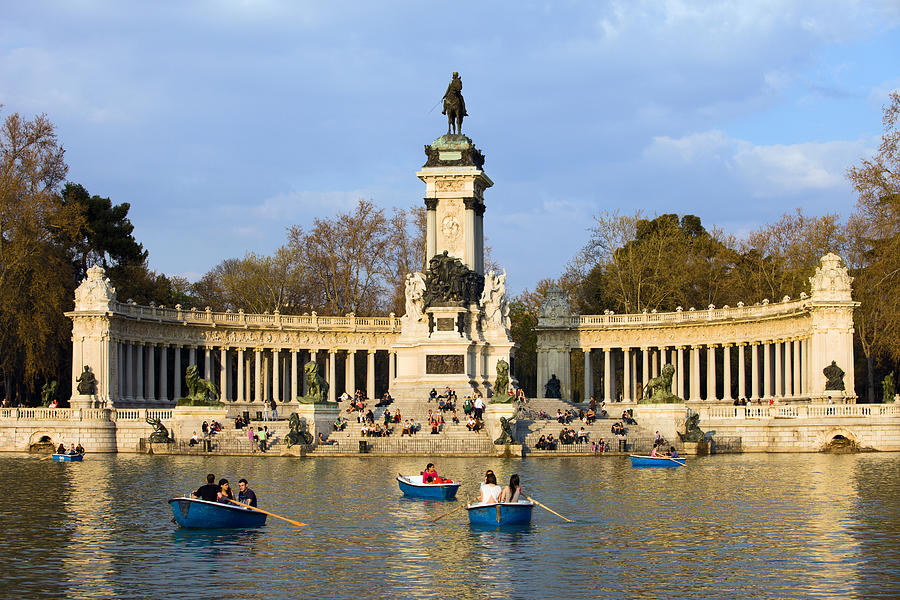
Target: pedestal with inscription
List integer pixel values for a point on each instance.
(456, 326)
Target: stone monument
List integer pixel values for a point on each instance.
(456, 327)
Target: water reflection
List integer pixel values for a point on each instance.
(809, 526)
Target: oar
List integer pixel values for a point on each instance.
(461, 505)
(550, 509)
(677, 462)
(265, 512)
(47, 457)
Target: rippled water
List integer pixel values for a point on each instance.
(740, 526)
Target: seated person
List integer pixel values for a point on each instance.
(194, 440)
(432, 395)
(386, 417)
(71, 451)
(340, 424)
(79, 448)
(414, 427)
(560, 418)
(672, 453)
(406, 429)
(551, 443)
(344, 397)
(541, 443)
(429, 475)
(435, 427)
(582, 435)
(470, 423)
(61, 449)
(628, 418)
(323, 441)
(590, 416)
(455, 418)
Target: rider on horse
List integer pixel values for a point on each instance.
(454, 104)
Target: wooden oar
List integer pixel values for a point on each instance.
(47, 457)
(461, 505)
(677, 462)
(550, 509)
(265, 512)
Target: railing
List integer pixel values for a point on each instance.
(799, 411)
(85, 414)
(755, 311)
(312, 322)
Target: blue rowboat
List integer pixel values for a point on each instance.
(656, 461)
(412, 486)
(501, 513)
(202, 514)
(68, 457)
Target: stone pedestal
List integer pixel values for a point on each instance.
(83, 401)
(188, 419)
(696, 448)
(318, 417)
(492, 414)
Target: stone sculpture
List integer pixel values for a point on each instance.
(552, 388)
(200, 391)
(87, 383)
(506, 432)
(48, 392)
(160, 434)
(299, 433)
(454, 105)
(494, 301)
(449, 281)
(692, 431)
(659, 389)
(316, 386)
(415, 297)
(501, 384)
(834, 377)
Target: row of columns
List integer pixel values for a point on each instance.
(778, 369)
(143, 374)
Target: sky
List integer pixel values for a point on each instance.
(223, 123)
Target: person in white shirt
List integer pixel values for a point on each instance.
(490, 491)
(479, 407)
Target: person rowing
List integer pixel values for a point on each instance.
(209, 491)
(245, 494)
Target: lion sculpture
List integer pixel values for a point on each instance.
(506, 432)
(298, 433)
(316, 386)
(501, 384)
(160, 434)
(659, 389)
(200, 391)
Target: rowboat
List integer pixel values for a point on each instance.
(412, 486)
(500, 513)
(202, 514)
(656, 461)
(68, 457)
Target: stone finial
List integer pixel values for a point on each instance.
(555, 309)
(831, 281)
(786, 299)
(740, 304)
(95, 292)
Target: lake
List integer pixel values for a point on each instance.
(748, 526)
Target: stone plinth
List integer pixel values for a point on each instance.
(188, 419)
(695, 448)
(83, 401)
(492, 414)
(318, 417)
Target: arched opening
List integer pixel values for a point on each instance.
(44, 438)
(42, 445)
(841, 444)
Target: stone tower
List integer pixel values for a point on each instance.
(456, 327)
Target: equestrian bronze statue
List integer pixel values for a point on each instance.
(454, 105)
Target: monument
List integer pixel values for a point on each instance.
(456, 328)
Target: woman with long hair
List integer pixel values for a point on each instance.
(511, 492)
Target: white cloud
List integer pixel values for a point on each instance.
(292, 205)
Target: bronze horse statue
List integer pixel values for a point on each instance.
(454, 105)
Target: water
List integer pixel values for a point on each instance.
(748, 526)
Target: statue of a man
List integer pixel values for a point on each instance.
(834, 377)
(415, 291)
(454, 105)
(87, 382)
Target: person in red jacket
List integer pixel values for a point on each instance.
(429, 475)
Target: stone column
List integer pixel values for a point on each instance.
(164, 373)
(370, 372)
(430, 228)
(679, 374)
(294, 389)
(798, 391)
(711, 373)
(613, 383)
(607, 389)
(192, 356)
(351, 372)
(645, 366)
(176, 374)
(240, 375)
(257, 371)
(788, 375)
(695, 373)
(392, 369)
(479, 238)
(129, 371)
(139, 383)
(223, 374)
(588, 375)
(654, 364)
(726, 373)
(754, 371)
(776, 348)
(151, 372)
(742, 375)
(207, 365)
(767, 370)
(332, 354)
(626, 374)
(469, 233)
(276, 374)
(806, 376)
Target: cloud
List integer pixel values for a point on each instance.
(298, 204)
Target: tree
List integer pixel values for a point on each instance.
(36, 278)
(105, 237)
(523, 316)
(874, 232)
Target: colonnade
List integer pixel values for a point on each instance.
(150, 374)
(757, 370)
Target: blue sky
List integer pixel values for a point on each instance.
(223, 123)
